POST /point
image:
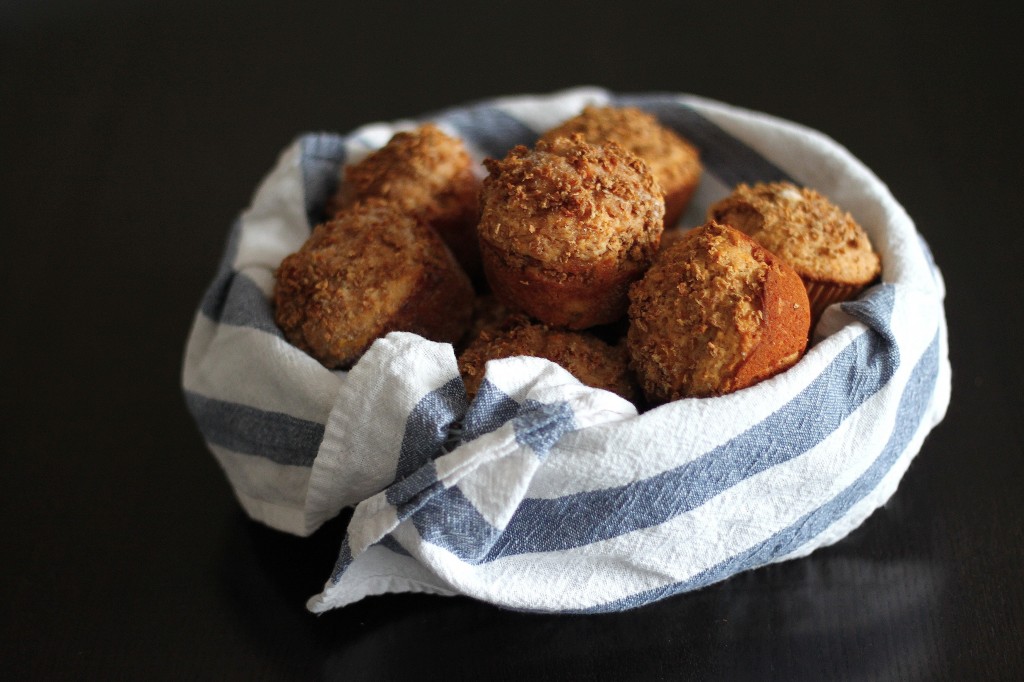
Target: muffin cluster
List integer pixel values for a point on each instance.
(425, 173)
(558, 254)
(384, 261)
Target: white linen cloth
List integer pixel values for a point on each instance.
(543, 494)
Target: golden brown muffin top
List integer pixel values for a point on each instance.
(589, 359)
(336, 294)
(817, 238)
(673, 161)
(425, 171)
(699, 313)
(568, 202)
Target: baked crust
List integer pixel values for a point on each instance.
(591, 360)
(674, 162)
(370, 271)
(566, 227)
(715, 313)
(824, 244)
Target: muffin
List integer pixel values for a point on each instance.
(566, 227)
(371, 270)
(716, 312)
(823, 243)
(592, 361)
(488, 313)
(426, 173)
(674, 162)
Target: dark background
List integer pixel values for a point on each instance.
(133, 133)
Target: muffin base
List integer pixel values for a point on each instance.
(574, 299)
(824, 294)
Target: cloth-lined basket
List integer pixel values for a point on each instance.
(543, 494)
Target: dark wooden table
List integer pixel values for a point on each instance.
(132, 133)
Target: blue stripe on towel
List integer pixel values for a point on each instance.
(217, 293)
(343, 562)
(540, 425)
(391, 543)
(322, 156)
(449, 520)
(410, 493)
(489, 410)
(913, 405)
(426, 428)
(247, 430)
(233, 298)
(247, 306)
(487, 128)
(730, 160)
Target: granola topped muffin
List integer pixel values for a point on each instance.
(371, 270)
(823, 243)
(566, 227)
(589, 359)
(674, 162)
(715, 313)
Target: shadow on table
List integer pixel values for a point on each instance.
(837, 613)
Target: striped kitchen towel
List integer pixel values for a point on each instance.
(543, 494)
